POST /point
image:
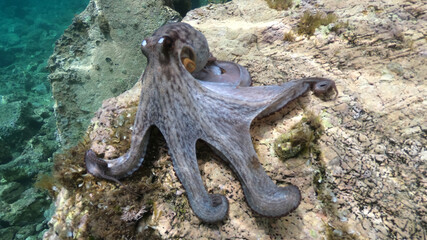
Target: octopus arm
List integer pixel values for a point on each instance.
(268, 99)
(125, 165)
(208, 207)
(261, 193)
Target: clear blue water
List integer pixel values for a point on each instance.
(29, 29)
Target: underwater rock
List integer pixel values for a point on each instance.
(352, 189)
(17, 124)
(26, 141)
(24, 210)
(10, 192)
(96, 58)
(22, 216)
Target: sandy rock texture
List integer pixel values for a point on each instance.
(369, 181)
(98, 58)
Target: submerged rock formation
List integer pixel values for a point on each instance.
(366, 178)
(98, 58)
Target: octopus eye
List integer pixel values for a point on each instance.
(166, 42)
(144, 43)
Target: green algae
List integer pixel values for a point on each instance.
(47, 183)
(103, 24)
(309, 22)
(289, 36)
(301, 138)
(334, 228)
(280, 4)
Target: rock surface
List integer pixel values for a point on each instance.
(98, 57)
(370, 180)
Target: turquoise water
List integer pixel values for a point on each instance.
(29, 29)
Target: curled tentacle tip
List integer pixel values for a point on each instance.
(94, 165)
(279, 202)
(293, 200)
(294, 196)
(98, 167)
(213, 211)
(324, 86)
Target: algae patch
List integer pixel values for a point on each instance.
(289, 36)
(48, 183)
(309, 22)
(280, 4)
(301, 138)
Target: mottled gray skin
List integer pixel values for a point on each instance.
(220, 113)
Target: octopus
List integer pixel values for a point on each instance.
(189, 96)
